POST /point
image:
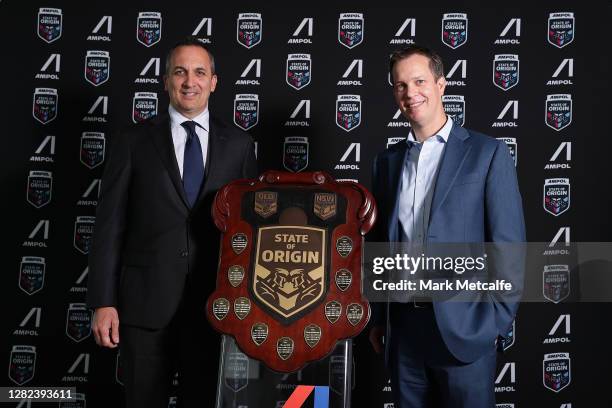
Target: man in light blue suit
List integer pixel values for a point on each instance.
(444, 184)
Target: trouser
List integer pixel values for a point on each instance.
(151, 357)
(424, 374)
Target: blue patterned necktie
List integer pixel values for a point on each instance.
(193, 164)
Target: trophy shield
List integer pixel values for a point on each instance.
(288, 297)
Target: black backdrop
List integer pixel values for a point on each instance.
(42, 226)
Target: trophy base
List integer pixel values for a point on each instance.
(247, 383)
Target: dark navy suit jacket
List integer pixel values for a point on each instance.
(476, 199)
(147, 238)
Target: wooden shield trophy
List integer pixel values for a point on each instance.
(289, 277)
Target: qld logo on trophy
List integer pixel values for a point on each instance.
(558, 111)
(556, 195)
(93, 147)
(40, 185)
(249, 29)
(289, 273)
(348, 111)
(561, 27)
(148, 28)
(44, 107)
(246, 110)
(144, 106)
(22, 364)
(556, 282)
(97, 67)
(31, 274)
(78, 321)
(556, 370)
(454, 29)
(454, 106)
(49, 24)
(299, 69)
(295, 153)
(505, 71)
(350, 29)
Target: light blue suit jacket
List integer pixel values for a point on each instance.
(476, 199)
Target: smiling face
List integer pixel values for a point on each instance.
(417, 93)
(190, 80)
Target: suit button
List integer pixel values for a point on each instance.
(184, 254)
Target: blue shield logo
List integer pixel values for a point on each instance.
(454, 106)
(505, 71)
(556, 371)
(44, 107)
(246, 110)
(454, 29)
(148, 28)
(83, 232)
(512, 147)
(556, 196)
(348, 112)
(556, 282)
(97, 67)
(299, 68)
(295, 153)
(93, 147)
(350, 29)
(558, 111)
(40, 184)
(561, 29)
(31, 274)
(236, 370)
(144, 106)
(22, 364)
(78, 322)
(49, 24)
(249, 29)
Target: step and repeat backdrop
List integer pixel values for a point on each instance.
(311, 85)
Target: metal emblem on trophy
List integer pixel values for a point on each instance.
(288, 283)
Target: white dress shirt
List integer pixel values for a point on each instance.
(418, 181)
(179, 134)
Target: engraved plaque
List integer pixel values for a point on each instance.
(220, 308)
(235, 274)
(259, 333)
(266, 203)
(344, 277)
(333, 310)
(312, 335)
(242, 307)
(344, 246)
(239, 242)
(325, 205)
(284, 347)
(354, 313)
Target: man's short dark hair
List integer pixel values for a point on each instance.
(187, 41)
(435, 61)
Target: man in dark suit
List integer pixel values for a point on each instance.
(154, 256)
(444, 184)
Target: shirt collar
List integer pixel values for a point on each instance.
(442, 134)
(177, 118)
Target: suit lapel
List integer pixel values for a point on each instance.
(162, 138)
(396, 163)
(453, 158)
